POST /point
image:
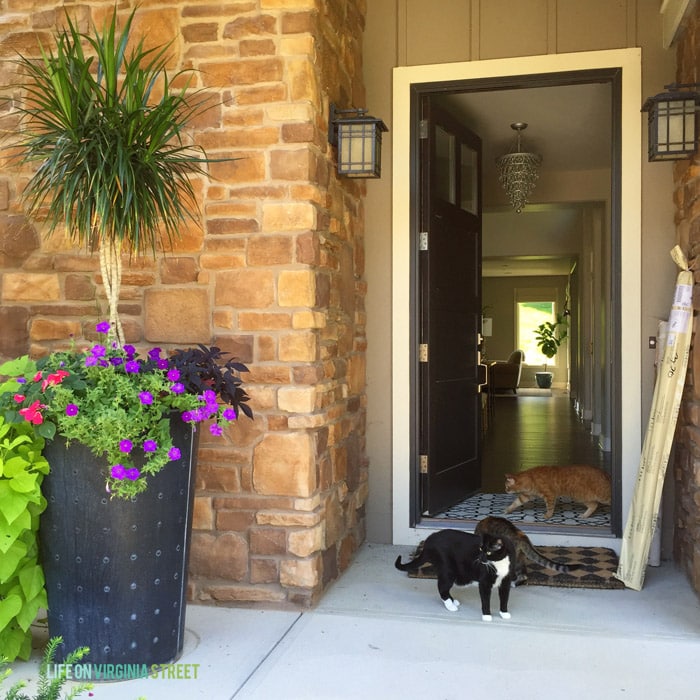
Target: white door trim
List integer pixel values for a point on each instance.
(630, 61)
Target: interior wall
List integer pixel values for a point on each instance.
(498, 296)
(412, 33)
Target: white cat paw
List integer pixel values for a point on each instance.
(505, 615)
(486, 618)
(451, 605)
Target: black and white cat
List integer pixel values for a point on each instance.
(461, 558)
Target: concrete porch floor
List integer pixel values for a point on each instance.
(378, 634)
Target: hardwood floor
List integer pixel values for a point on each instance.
(526, 431)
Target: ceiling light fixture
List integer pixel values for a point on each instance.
(518, 170)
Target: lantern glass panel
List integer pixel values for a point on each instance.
(359, 149)
(672, 129)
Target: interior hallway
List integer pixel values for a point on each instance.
(522, 431)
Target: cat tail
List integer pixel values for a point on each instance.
(413, 564)
(539, 558)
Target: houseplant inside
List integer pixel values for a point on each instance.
(549, 336)
(104, 128)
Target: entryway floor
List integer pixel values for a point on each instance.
(379, 634)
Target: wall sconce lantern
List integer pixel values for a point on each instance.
(672, 122)
(358, 137)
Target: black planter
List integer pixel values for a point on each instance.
(116, 570)
(544, 380)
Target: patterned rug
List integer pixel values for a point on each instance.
(566, 512)
(598, 564)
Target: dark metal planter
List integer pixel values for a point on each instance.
(116, 570)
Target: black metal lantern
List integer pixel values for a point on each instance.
(672, 122)
(358, 137)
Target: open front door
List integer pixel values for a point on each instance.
(450, 310)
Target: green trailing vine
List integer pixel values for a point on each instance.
(22, 593)
(49, 686)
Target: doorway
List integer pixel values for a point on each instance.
(490, 77)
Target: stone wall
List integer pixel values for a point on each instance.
(275, 275)
(687, 447)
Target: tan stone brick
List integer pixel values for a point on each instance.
(250, 320)
(264, 570)
(284, 464)
(266, 348)
(294, 5)
(298, 216)
(300, 45)
(248, 166)
(297, 573)
(223, 319)
(219, 556)
(288, 518)
(268, 541)
(244, 594)
(298, 347)
(249, 71)
(297, 399)
(178, 270)
(245, 289)
(303, 543)
(357, 365)
(290, 112)
(18, 286)
(261, 94)
(202, 515)
(221, 262)
(301, 79)
(308, 319)
(257, 47)
(264, 251)
(296, 288)
(236, 520)
(47, 329)
(297, 164)
(177, 316)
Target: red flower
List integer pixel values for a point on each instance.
(53, 379)
(33, 413)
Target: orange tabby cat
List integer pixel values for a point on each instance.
(580, 482)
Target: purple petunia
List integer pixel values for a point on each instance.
(90, 361)
(178, 388)
(117, 471)
(130, 351)
(229, 414)
(71, 410)
(102, 327)
(132, 474)
(126, 446)
(146, 398)
(150, 446)
(216, 429)
(132, 367)
(154, 353)
(174, 453)
(162, 363)
(98, 351)
(116, 361)
(187, 416)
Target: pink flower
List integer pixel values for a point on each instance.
(19, 398)
(32, 413)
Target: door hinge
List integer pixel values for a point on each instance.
(423, 352)
(424, 464)
(423, 129)
(423, 240)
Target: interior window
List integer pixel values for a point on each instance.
(531, 314)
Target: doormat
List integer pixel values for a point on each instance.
(527, 391)
(597, 566)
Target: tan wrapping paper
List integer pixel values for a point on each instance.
(670, 378)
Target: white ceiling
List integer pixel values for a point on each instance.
(570, 126)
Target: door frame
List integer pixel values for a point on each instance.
(404, 455)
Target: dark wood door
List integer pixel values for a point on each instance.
(450, 310)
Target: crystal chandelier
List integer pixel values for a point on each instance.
(518, 171)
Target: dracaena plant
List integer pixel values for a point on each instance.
(105, 123)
